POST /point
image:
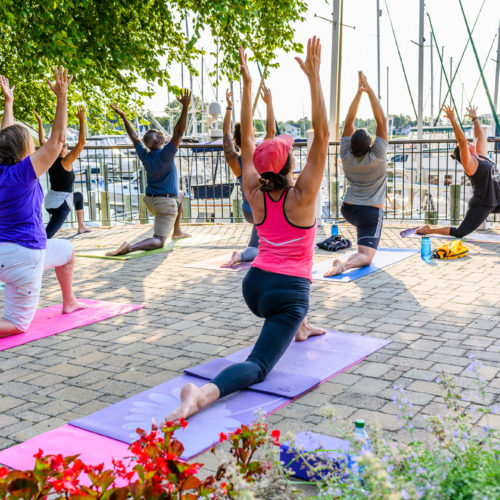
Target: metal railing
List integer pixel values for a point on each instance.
(424, 182)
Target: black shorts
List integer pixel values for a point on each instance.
(368, 222)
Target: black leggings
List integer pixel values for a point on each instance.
(283, 301)
(58, 215)
(474, 217)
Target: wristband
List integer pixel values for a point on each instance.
(228, 108)
(475, 118)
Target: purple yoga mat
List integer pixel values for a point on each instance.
(304, 364)
(120, 420)
(68, 440)
(50, 320)
(472, 237)
(215, 263)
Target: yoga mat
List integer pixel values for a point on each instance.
(304, 364)
(195, 240)
(383, 257)
(215, 263)
(2, 285)
(472, 237)
(68, 440)
(120, 420)
(50, 320)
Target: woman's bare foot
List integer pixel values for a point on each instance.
(121, 250)
(178, 236)
(337, 268)
(191, 402)
(307, 330)
(72, 306)
(235, 259)
(423, 230)
(83, 229)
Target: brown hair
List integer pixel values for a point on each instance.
(150, 137)
(15, 142)
(456, 154)
(361, 142)
(269, 181)
(237, 134)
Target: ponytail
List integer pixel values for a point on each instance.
(269, 181)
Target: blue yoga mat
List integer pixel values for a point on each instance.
(120, 420)
(383, 257)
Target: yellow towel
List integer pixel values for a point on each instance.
(454, 250)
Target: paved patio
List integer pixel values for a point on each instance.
(436, 315)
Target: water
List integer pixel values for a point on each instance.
(425, 249)
(360, 436)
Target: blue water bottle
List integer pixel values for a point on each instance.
(425, 249)
(334, 230)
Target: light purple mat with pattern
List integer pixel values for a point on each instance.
(214, 264)
(472, 237)
(68, 440)
(120, 420)
(50, 320)
(304, 364)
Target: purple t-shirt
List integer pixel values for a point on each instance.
(21, 198)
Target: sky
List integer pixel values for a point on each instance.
(359, 52)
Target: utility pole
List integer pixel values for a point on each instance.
(432, 80)
(421, 41)
(378, 49)
(333, 123)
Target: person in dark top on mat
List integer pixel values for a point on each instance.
(277, 286)
(483, 174)
(233, 159)
(365, 166)
(61, 198)
(162, 188)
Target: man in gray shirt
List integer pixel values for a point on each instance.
(365, 167)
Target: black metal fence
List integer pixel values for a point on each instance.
(424, 182)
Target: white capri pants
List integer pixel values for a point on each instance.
(21, 269)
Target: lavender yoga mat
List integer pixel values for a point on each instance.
(67, 440)
(472, 237)
(120, 420)
(383, 257)
(304, 364)
(50, 320)
(215, 263)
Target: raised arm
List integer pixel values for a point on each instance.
(251, 182)
(41, 136)
(180, 126)
(68, 160)
(44, 157)
(481, 144)
(378, 112)
(468, 162)
(128, 127)
(353, 110)
(227, 140)
(309, 182)
(270, 120)
(8, 110)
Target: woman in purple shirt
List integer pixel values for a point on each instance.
(24, 250)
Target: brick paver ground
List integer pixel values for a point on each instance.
(436, 315)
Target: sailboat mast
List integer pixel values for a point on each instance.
(432, 80)
(333, 124)
(421, 40)
(378, 49)
(497, 75)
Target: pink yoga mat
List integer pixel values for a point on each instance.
(215, 263)
(68, 440)
(50, 320)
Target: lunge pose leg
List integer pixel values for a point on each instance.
(277, 286)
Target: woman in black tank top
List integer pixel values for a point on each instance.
(61, 197)
(483, 174)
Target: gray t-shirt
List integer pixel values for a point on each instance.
(367, 175)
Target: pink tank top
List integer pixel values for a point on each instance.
(283, 247)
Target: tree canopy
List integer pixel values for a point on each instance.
(109, 45)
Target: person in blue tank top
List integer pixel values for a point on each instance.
(483, 174)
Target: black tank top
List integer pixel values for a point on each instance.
(60, 178)
(485, 184)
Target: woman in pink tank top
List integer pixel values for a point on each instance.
(277, 286)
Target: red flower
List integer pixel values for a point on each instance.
(3, 472)
(172, 456)
(222, 437)
(276, 437)
(38, 455)
(183, 423)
